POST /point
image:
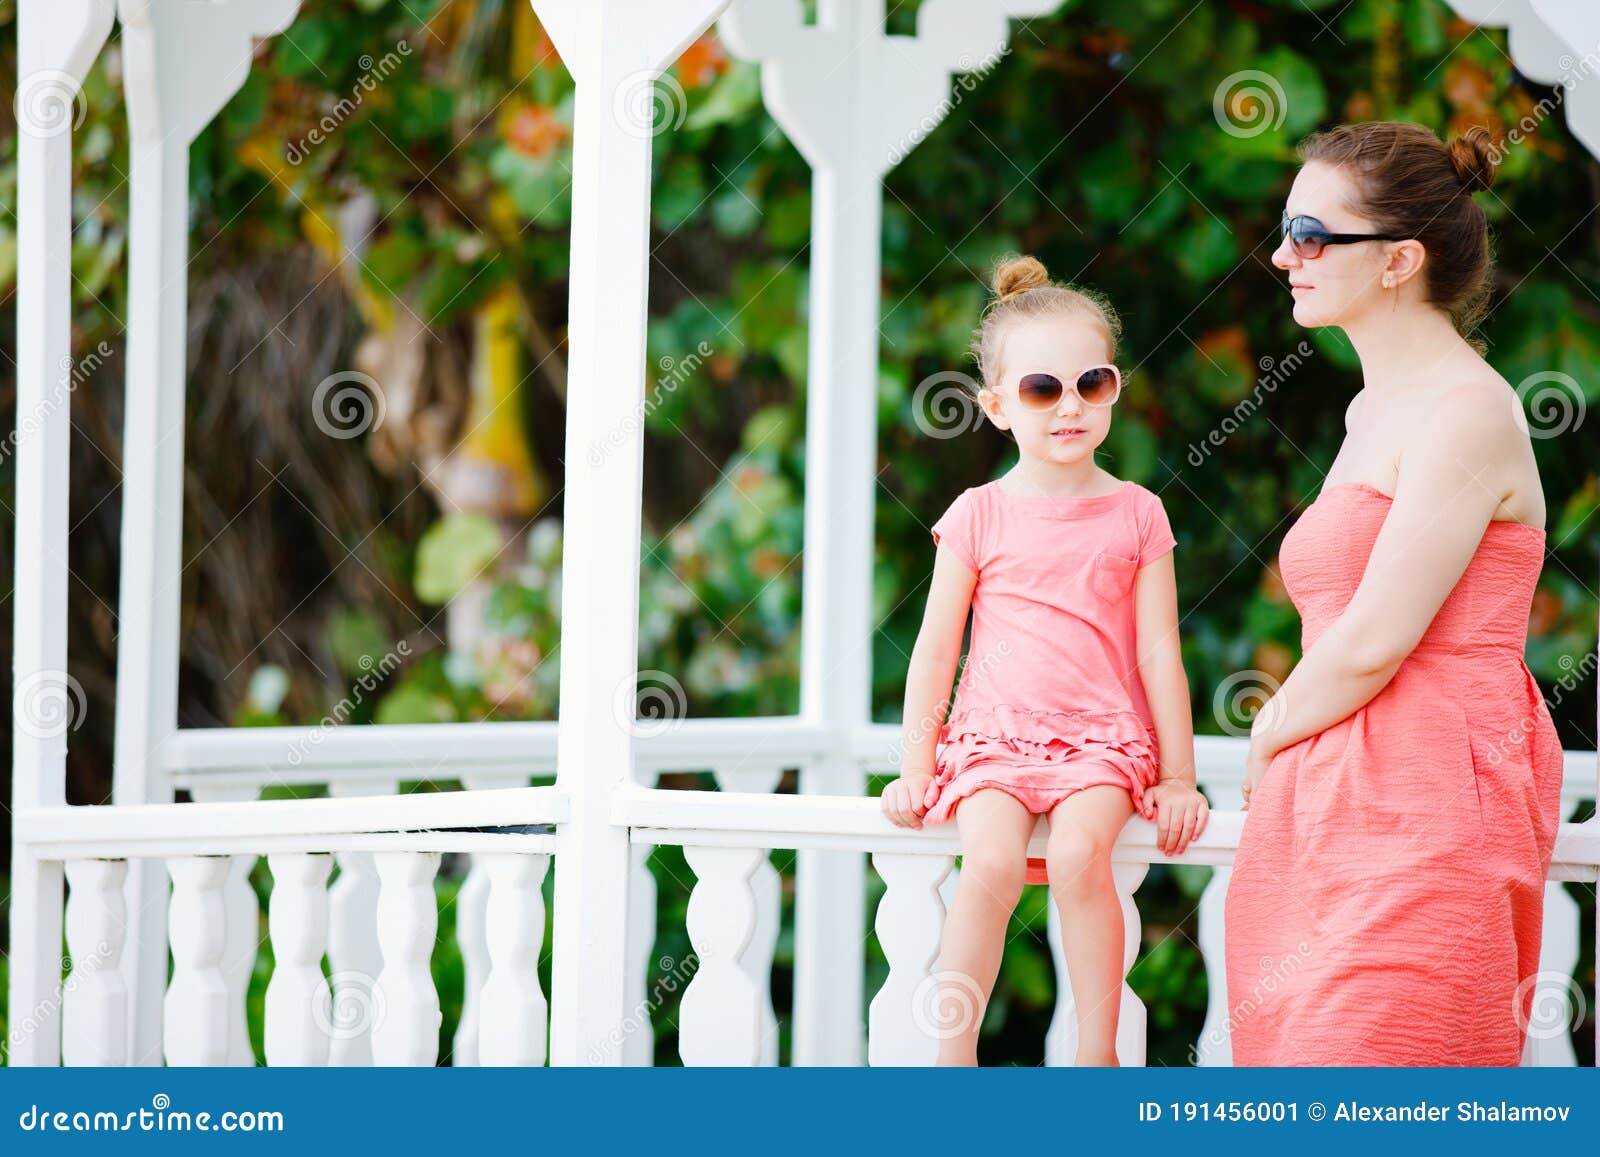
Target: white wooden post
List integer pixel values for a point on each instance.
(614, 49)
(298, 1005)
(910, 921)
(242, 919)
(354, 955)
(195, 1011)
(472, 930)
(94, 1004)
(181, 63)
(57, 41)
(854, 101)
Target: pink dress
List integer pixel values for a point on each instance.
(1049, 699)
(1387, 897)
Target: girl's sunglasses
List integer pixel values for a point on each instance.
(1307, 236)
(1096, 386)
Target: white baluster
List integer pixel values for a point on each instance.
(194, 1015)
(1215, 1046)
(472, 937)
(470, 905)
(1549, 1039)
(94, 999)
(1061, 1040)
(515, 1012)
(299, 1008)
(719, 1021)
(242, 921)
(767, 886)
(354, 957)
(405, 1029)
(903, 1021)
(639, 1037)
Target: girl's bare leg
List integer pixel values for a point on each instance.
(1082, 829)
(994, 829)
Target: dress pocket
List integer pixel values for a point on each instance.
(1111, 575)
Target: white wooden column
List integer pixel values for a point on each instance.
(854, 101)
(181, 63)
(614, 50)
(57, 41)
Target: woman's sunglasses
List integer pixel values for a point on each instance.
(1097, 386)
(1307, 236)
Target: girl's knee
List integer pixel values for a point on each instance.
(1075, 856)
(1000, 872)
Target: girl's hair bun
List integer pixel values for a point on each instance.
(1472, 156)
(1018, 275)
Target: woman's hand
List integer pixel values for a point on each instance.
(907, 799)
(1180, 814)
(1256, 762)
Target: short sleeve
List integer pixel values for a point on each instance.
(1155, 531)
(957, 528)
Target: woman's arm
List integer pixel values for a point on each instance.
(1443, 501)
(934, 657)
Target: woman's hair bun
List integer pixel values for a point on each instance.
(1018, 275)
(1472, 156)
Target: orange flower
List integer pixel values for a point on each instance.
(702, 62)
(534, 130)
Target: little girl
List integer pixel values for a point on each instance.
(1073, 701)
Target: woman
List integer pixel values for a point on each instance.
(1403, 785)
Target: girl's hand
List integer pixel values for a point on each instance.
(1180, 815)
(1256, 762)
(907, 799)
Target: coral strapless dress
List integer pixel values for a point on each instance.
(1388, 894)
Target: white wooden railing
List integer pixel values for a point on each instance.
(376, 923)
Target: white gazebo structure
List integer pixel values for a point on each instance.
(145, 877)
